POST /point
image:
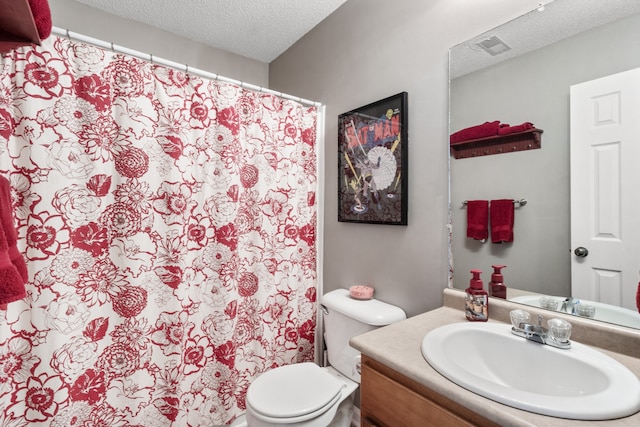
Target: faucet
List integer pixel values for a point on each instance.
(540, 334)
(569, 305)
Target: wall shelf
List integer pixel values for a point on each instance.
(498, 144)
(17, 26)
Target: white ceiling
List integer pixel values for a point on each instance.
(257, 29)
(557, 20)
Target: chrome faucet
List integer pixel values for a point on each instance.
(540, 334)
(569, 305)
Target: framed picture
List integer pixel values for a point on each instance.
(372, 163)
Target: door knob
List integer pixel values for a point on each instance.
(581, 252)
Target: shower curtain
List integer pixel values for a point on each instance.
(168, 223)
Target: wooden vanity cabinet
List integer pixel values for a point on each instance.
(389, 399)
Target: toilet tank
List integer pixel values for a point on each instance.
(346, 317)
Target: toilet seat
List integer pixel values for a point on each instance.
(293, 393)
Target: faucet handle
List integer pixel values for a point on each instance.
(559, 330)
(519, 317)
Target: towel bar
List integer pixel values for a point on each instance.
(519, 203)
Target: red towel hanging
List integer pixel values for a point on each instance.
(13, 270)
(42, 17)
(502, 219)
(478, 219)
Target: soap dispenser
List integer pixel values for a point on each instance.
(476, 299)
(496, 287)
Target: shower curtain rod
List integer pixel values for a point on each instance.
(182, 67)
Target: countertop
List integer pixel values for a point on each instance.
(398, 347)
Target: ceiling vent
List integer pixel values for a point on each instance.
(494, 45)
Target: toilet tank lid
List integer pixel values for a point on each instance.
(371, 312)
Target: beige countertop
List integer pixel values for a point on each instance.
(398, 347)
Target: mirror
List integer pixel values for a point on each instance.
(564, 43)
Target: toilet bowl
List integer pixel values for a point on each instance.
(299, 395)
(306, 395)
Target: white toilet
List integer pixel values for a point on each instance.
(306, 395)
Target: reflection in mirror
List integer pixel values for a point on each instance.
(532, 86)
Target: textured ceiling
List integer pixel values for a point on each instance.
(257, 29)
(559, 19)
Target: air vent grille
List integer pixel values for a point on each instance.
(494, 45)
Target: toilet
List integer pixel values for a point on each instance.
(307, 395)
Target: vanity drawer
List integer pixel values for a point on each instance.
(388, 399)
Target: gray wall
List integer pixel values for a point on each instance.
(365, 51)
(82, 19)
(534, 88)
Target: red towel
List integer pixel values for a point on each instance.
(506, 130)
(8, 225)
(478, 219)
(42, 17)
(11, 281)
(474, 132)
(502, 220)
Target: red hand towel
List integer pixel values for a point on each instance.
(501, 220)
(11, 282)
(8, 225)
(42, 17)
(478, 219)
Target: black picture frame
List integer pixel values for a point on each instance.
(373, 162)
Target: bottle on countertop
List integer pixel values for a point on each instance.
(476, 299)
(497, 287)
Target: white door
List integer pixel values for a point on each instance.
(605, 189)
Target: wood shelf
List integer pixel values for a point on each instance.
(17, 26)
(499, 144)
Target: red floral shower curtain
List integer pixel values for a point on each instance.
(169, 226)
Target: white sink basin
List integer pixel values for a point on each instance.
(577, 383)
(604, 312)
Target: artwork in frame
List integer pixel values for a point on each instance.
(373, 163)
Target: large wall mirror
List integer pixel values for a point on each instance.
(559, 45)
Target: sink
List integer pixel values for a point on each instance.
(604, 312)
(578, 383)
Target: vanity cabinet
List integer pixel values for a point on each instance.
(389, 399)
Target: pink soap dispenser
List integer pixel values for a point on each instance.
(476, 299)
(497, 287)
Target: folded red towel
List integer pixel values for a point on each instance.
(478, 219)
(501, 218)
(506, 130)
(42, 16)
(11, 282)
(474, 132)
